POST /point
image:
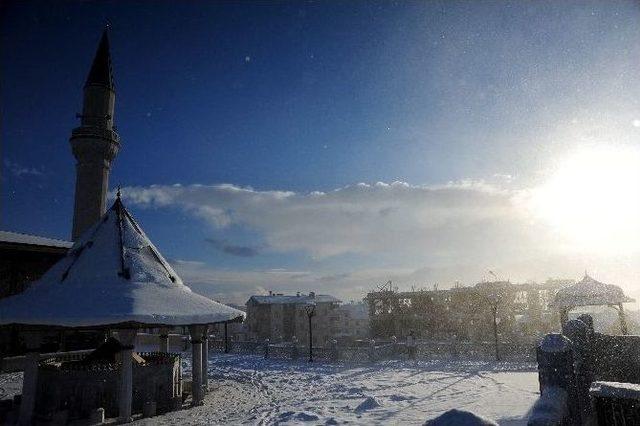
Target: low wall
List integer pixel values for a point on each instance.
(366, 352)
(511, 351)
(574, 361)
(81, 388)
(616, 358)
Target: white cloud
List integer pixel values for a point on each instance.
(413, 235)
(18, 170)
(236, 286)
(465, 218)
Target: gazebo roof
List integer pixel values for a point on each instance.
(112, 276)
(589, 292)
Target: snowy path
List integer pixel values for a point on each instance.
(251, 390)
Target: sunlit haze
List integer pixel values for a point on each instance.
(332, 146)
(592, 200)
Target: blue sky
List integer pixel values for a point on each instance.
(318, 96)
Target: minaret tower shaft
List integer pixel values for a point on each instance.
(95, 142)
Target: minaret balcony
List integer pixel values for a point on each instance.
(91, 144)
(95, 132)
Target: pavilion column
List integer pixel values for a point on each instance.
(564, 316)
(623, 320)
(30, 378)
(205, 359)
(163, 345)
(196, 332)
(127, 339)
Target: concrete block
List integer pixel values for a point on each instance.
(96, 417)
(60, 418)
(149, 409)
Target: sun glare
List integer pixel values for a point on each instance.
(593, 199)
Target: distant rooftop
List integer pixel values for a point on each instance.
(589, 292)
(32, 240)
(295, 299)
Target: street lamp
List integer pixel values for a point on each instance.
(496, 321)
(495, 298)
(311, 311)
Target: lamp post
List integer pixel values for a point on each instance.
(311, 311)
(494, 310)
(494, 298)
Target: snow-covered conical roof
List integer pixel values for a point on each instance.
(113, 275)
(589, 292)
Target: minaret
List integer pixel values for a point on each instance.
(94, 143)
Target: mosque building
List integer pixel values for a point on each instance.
(95, 144)
(111, 279)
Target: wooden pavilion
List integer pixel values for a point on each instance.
(589, 292)
(113, 279)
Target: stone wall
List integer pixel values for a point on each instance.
(583, 358)
(81, 388)
(616, 358)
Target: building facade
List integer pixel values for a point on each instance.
(351, 322)
(280, 318)
(24, 258)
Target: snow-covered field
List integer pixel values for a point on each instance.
(248, 389)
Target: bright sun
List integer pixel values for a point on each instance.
(593, 199)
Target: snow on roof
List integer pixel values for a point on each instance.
(555, 342)
(615, 390)
(33, 240)
(302, 299)
(112, 275)
(589, 292)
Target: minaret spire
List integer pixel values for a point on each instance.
(101, 72)
(94, 143)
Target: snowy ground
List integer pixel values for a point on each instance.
(10, 385)
(247, 389)
(251, 390)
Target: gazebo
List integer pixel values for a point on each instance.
(589, 292)
(113, 278)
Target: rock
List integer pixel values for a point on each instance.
(306, 417)
(149, 409)
(96, 416)
(460, 418)
(368, 404)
